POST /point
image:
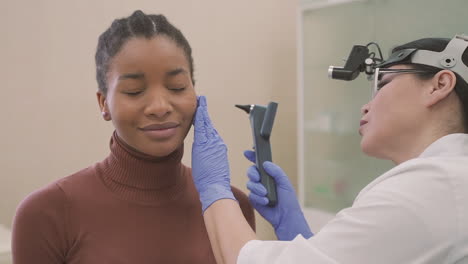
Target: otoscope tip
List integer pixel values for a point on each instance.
(246, 108)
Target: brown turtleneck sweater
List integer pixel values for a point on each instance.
(129, 208)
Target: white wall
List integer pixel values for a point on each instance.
(244, 52)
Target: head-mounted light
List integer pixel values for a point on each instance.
(360, 60)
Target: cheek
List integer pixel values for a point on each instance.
(383, 122)
(123, 113)
(378, 128)
(187, 106)
(387, 124)
(397, 113)
(375, 137)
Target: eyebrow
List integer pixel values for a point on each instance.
(137, 75)
(382, 75)
(176, 72)
(140, 75)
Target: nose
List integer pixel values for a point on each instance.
(158, 104)
(365, 108)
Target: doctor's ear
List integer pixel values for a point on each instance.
(103, 106)
(442, 84)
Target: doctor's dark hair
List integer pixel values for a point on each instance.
(137, 25)
(438, 45)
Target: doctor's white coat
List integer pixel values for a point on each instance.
(416, 212)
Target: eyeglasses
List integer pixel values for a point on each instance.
(379, 72)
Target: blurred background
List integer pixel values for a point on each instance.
(245, 52)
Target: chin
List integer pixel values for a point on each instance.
(160, 150)
(372, 149)
(368, 147)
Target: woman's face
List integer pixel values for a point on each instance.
(150, 97)
(390, 121)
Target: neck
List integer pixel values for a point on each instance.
(137, 175)
(412, 146)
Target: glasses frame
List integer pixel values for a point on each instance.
(378, 71)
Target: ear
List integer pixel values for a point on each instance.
(103, 106)
(441, 85)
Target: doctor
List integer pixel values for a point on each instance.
(417, 212)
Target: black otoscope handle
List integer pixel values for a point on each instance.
(261, 121)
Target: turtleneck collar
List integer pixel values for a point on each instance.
(140, 177)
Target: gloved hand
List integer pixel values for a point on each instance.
(210, 166)
(286, 216)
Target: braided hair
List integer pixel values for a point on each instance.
(137, 25)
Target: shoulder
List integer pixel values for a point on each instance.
(42, 202)
(421, 177)
(52, 199)
(410, 184)
(418, 192)
(245, 206)
(419, 201)
(47, 209)
(40, 226)
(40, 216)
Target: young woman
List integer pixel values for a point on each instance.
(138, 205)
(417, 212)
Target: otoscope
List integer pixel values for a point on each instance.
(261, 122)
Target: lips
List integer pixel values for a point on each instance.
(361, 124)
(162, 126)
(160, 132)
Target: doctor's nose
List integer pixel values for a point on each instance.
(365, 109)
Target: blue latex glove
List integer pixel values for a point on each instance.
(286, 216)
(210, 166)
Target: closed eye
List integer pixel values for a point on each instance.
(135, 93)
(180, 89)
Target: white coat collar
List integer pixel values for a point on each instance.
(449, 145)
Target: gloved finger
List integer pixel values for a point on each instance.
(253, 174)
(277, 173)
(203, 128)
(198, 125)
(257, 188)
(257, 200)
(250, 155)
(198, 118)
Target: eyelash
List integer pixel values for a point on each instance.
(381, 84)
(177, 89)
(132, 93)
